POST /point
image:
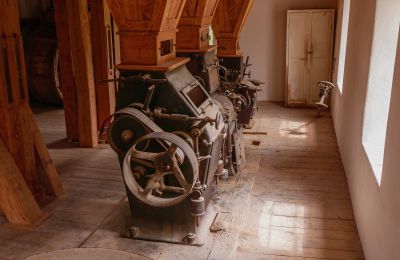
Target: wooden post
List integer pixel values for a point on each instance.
(66, 72)
(81, 50)
(14, 95)
(19, 136)
(16, 200)
(103, 61)
(44, 156)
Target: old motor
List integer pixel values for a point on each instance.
(229, 19)
(242, 91)
(204, 65)
(193, 41)
(169, 135)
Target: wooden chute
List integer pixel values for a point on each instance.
(228, 23)
(147, 29)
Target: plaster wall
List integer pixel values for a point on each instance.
(376, 207)
(264, 40)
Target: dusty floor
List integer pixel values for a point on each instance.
(291, 201)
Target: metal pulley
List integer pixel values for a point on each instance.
(172, 169)
(128, 126)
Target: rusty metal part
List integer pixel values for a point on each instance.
(197, 201)
(204, 65)
(190, 238)
(198, 206)
(144, 78)
(195, 133)
(129, 122)
(160, 113)
(164, 163)
(185, 136)
(221, 172)
(233, 72)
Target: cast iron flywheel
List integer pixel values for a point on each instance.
(171, 171)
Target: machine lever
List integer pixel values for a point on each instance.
(145, 78)
(159, 113)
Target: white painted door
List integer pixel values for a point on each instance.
(309, 54)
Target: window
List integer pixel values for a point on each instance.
(383, 55)
(343, 43)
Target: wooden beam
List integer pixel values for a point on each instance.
(45, 159)
(103, 61)
(66, 71)
(14, 94)
(16, 200)
(81, 50)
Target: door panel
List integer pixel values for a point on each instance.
(322, 41)
(298, 35)
(309, 54)
(321, 34)
(297, 82)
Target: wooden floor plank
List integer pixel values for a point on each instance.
(301, 207)
(291, 201)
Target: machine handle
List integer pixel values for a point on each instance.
(145, 78)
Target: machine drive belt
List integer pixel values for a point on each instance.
(146, 122)
(141, 118)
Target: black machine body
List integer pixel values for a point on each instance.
(170, 136)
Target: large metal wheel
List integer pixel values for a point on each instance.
(168, 169)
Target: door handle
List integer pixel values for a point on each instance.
(309, 55)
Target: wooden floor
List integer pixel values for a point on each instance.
(291, 201)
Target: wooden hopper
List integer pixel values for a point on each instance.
(228, 23)
(147, 29)
(194, 24)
